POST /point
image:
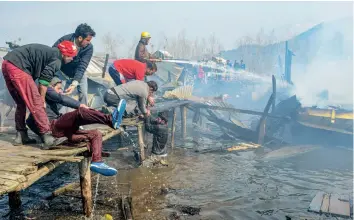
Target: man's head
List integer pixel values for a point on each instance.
(152, 87)
(162, 118)
(56, 84)
(68, 50)
(145, 37)
(83, 35)
(151, 68)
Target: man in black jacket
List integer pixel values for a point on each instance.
(67, 125)
(73, 74)
(21, 67)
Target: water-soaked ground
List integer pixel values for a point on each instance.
(215, 185)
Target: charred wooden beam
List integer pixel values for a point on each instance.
(85, 183)
(262, 121)
(230, 109)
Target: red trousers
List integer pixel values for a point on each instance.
(68, 125)
(25, 92)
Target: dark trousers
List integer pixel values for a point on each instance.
(160, 132)
(68, 125)
(116, 76)
(25, 93)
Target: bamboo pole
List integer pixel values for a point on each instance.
(141, 143)
(85, 183)
(183, 109)
(173, 128)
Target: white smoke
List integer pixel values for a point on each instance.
(328, 78)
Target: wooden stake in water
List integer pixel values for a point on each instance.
(85, 183)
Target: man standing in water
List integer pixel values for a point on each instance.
(159, 128)
(73, 74)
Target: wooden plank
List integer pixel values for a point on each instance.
(316, 203)
(42, 171)
(6, 189)
(13, 176)
(325, 203)
(20, 169)
(8, 183)
(338, 207)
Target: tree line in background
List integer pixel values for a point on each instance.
(252, 50)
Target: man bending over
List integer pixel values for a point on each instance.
(136, 90)
(67, 125)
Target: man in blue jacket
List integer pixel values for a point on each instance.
(73, 74)
(67, 125)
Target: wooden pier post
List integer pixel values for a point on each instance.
(14, 199)
(173, 128)
(85, 183)
(184, 121)
(141, 142)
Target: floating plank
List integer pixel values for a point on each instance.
(338, 207)
(316, 203)
(325, 203)
(243, 146)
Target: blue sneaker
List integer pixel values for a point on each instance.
(118, 113)
(103, 169)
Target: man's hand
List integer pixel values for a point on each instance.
(148, 113)
(151, 100)
(69, 90)
(84, 106)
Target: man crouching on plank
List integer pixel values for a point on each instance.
(67, 125)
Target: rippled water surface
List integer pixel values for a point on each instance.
(225, 185)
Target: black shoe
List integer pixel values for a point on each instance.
(23, 139)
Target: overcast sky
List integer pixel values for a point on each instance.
(45, 22)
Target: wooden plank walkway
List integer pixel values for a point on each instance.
(21, 166)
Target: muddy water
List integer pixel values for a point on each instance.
(224, 185)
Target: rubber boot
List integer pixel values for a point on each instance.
(48, 140)
(23, 139)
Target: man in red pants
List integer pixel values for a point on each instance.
(21, 67)
(67, 125)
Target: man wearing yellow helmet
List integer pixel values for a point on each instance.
(141, 53)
